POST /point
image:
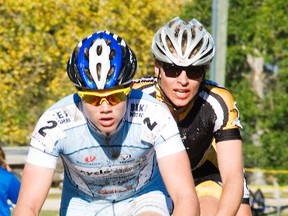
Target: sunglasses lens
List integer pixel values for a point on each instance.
(170, 70)
(192, 72)
(195, 72)
(116, 98)
(96, 100)
(91, 99)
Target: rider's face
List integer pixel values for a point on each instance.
(105, 108)
(105, 116)
(178, 83)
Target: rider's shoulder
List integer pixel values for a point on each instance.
(66, 101)
(215, 89)
(148, 103)
(140, 96)
(67, 108)
(144, 82)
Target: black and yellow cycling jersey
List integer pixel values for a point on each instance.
(211, 117)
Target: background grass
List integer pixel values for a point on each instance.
(49, 213)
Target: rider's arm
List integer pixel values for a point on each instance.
(36, 181)
(176, 174)
(229, 155)
(35, 185)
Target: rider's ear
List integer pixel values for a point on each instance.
(157, 68)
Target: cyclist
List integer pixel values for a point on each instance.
(206, 115)
(9, 186)
(110, 139)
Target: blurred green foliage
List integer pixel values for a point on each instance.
(257, 28)
(37, 38)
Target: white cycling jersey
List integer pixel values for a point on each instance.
(101, 167)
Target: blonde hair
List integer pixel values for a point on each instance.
(3, 163)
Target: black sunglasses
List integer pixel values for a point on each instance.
(192, 72)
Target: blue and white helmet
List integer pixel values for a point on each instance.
(102, 60)
(183, 43)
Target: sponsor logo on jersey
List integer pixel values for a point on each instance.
(137, 109)
(90, 158)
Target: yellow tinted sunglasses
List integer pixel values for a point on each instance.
(112, 97)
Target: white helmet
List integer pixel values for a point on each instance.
(183, 43)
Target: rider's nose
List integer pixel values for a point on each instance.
(182, 78)
(105, 106)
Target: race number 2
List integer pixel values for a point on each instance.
(148, 123)
(52, 124)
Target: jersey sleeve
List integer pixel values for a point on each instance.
(170, 146)
(233, 112)
(46, 134)
(229, 128)
(51, 129)
(160, 126)
(44, 150)
(39, 158)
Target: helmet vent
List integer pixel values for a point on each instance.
(207, 54)
(99, 50)
(108, 42)
(160, 40)
(123, 51)
(112, 54)
(170, 46)
(193, 32)
(87, 71)
(111, 71)
(196, 49)
(171, 23)
(86, 53)
(76, 74)
(184, 41)
(160, 50)
(98, 69)
(176, 31)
